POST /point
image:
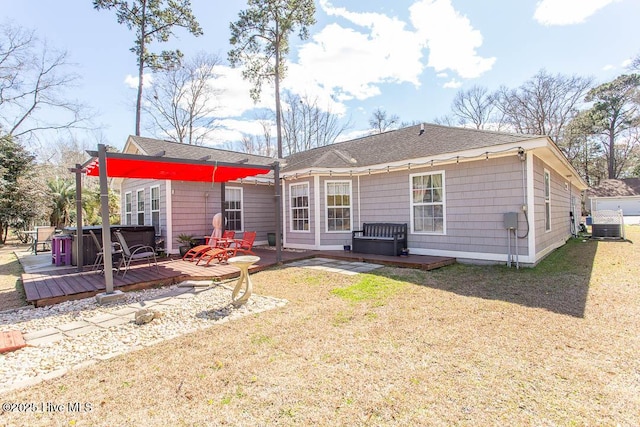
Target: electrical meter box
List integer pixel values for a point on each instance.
(511, 220)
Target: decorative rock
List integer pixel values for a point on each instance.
(145, 316)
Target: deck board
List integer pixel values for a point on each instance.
(58, 285)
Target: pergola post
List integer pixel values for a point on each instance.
(79, 239)
(109, 295)
(278, 197)
(104, 212)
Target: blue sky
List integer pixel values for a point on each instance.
(406, 57)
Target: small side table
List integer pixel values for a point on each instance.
(243, 263)
(61, 250)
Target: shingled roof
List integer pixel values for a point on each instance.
(616, 188)
(398, 145)
(151, 146)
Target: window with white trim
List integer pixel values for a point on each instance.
(427, 203)
(547, 200)
(299, 206)
(155, 208)
(140, 205)
(127, 208)
(233, 208)
(338, 197)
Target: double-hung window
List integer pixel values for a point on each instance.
(233, 208)
(140, 204)
(427, 203)
(155, 208)
(299, 202)
(547, 200)
(127, 208)
(338, 195)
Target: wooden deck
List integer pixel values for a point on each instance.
(63, 284)
(421, 262)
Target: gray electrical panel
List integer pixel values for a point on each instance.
(511, 220)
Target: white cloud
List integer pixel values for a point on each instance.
(567, 12)
(350, 60)
(450, 37)
(626, 63)
(342, 63)
(608, 67)
(132, 81)
(232, 130)
(234, 99)
(350, 63)
(452, 84)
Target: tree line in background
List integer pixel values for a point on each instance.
(36, 187)
(595, 125)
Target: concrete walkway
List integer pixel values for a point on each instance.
(349, 268)
(124, 315)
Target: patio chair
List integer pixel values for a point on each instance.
(135, 252)
(219, 254)
(245, 244)
(197, 251)
(100, 255)
(43, 237)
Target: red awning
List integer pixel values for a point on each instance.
(174, 169)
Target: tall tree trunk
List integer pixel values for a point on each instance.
(141, 58)
(612, 152)
(278, 107)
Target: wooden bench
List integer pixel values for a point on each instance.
(380, 238)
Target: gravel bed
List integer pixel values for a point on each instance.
(182, 310)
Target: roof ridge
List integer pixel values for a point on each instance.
(201, 146)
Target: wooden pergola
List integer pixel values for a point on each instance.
(119, 165)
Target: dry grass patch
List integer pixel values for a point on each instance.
(464, 345)
(11, 290)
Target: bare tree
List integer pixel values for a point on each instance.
(635, 63)
(182, 102)
(260, 144)
(33, 81)
(307, 126)
(476, 106)
(380, 121)
(543, 105)
(447, 120)
(152, 20)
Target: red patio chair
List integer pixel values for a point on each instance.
(219, 254)
(245, 244)
(197, 251)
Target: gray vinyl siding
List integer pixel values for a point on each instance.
(300, 237)
(133, 185)
(560, 207)
(195, 204)
(259, 209)
(477, 194)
